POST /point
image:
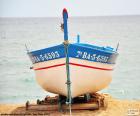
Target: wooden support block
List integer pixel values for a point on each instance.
(51, 103)
(43, 107)
(83, 106)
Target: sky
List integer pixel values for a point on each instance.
(53, 8)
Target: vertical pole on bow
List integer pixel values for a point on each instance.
(66, 45)
(65, 18)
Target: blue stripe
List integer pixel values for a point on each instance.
(92, 54)
(80, 51)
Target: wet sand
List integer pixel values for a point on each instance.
(115, 108)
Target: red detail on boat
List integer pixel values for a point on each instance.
(81, 65)
(64, 10)
(50, 66)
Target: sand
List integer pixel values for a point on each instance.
(115, 108)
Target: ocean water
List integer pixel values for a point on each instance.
(17, 81)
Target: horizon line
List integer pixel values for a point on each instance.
(69, 16)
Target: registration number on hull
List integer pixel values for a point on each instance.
(92, 57)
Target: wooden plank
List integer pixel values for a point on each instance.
(43, 107)
(83, 106)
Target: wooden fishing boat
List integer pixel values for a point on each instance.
(83, 68)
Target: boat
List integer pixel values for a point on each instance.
(73, 69)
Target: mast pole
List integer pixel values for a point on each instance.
(66, 45)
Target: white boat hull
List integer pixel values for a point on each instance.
(86, 76)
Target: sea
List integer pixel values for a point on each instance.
(17, 80)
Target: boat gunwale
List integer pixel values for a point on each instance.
(80, 45)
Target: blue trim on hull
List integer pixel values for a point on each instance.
(79, 51)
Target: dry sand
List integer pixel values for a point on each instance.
(115, 108)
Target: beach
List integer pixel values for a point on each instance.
(115, 107)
